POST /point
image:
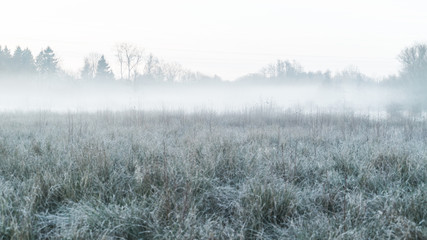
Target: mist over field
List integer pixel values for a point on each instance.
(226, 97)
(162, 152)
(189, 98)
(221, 97)
(213, 119)
(146, 83)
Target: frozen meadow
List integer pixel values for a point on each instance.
(257, 173)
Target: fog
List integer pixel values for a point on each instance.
(214, 55)
(147, 83)
(76, 96)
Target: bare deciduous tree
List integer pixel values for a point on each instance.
(120, 58)
(171, 71)
(92, 60)
(414, 60)
(128, 56)
(151, 68)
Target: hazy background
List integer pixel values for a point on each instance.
(213, 55)
(227, 38)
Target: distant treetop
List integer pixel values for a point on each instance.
(103, 70)
(46, 62)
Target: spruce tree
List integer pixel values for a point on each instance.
(87, 73)
(28, 65)
(5, 60)
(17, 60)
(1, 60)
(103, 70)
(46, 62)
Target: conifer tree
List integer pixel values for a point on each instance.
(28, 64)
(46, 62)
(86, 73)
(5, 59)
(103, 70)
(17, 61)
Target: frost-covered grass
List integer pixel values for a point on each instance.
(257, 174)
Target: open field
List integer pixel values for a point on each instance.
(255, 174)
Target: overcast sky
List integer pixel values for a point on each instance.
(228, 38)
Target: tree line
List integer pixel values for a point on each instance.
(137, 67)
(134, 66)
(413, 60)
(23, 62)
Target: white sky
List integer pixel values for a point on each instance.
(229, 38)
